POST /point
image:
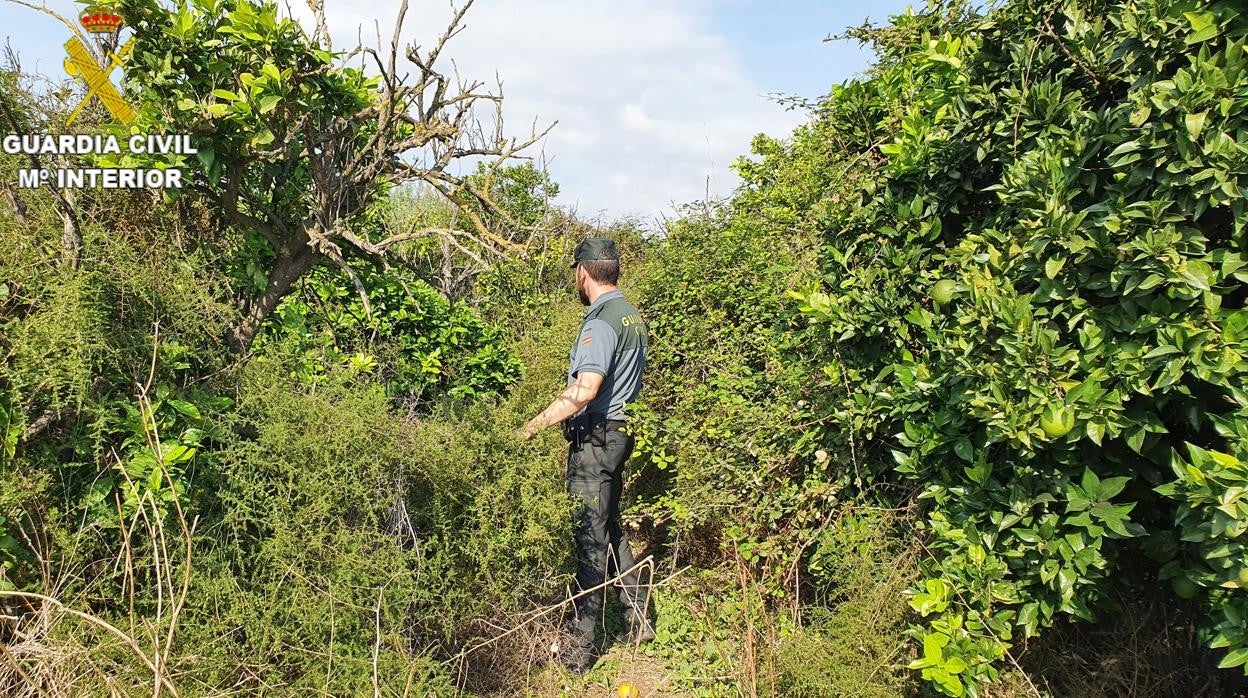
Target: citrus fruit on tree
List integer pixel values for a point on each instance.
(1057, 421)
(943, 290)
(1184, 587)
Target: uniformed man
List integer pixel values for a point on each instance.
(607, 362)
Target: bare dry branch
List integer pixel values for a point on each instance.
(334, 253)
(43, 7)
(422, 120)
(322, 27)
(126, 639)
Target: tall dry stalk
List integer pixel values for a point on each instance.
(54, 649)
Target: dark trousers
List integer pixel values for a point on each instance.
(595, 477)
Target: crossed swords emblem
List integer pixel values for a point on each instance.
(82, 64)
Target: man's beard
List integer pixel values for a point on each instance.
(580, 291)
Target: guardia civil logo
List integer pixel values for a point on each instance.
(92, 57)
(104, 24)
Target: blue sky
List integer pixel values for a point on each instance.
(654, 98)
(783, 41)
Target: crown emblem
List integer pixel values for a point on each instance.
(98, 19)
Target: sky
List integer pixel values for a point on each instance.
(653, 98)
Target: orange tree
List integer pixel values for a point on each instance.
(1032, 311)
(296, 148)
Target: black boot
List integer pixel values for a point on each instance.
(576, 653)
(640, 629)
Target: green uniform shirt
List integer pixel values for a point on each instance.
(612, 343)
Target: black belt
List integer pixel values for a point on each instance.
(590, 427)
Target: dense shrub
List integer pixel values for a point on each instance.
(797, 591)
(409, 337)
(852, 637)
(333, 524)
(342, 520)
(1034, 296)
(722, 448)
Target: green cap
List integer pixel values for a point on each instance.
(591, 249)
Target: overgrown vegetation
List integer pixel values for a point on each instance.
(948, 397)
(1034, 294)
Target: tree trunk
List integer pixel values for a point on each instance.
(15, 203)
(297, 260)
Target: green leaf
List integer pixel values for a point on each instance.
(1195, 124)
(1091, 484)
(1096, 432)
(186, 408)
(951, 685)
(1234, 658)
(1204, 26)
(1123, 149)
(1225, 460)
(268, 103)
(933, 644)
(207, 156)
(264, 137)
(1111, 487)
(1026, 535)
(962, 447)
(1198, 274)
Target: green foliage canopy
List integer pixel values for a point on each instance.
(1035, 273)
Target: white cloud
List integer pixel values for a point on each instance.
(649, 99)
(635, 119)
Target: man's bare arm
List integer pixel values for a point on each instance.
(569, 402)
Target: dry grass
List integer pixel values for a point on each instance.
(53, 649)
(1150, 648)
(522, 649)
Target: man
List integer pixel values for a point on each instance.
(607, 362)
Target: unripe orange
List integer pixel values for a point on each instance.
(1057, 421)
(943, 290)
(1184, 587)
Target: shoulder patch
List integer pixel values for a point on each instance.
(587, 340)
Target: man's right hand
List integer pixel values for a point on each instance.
(528, 431)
